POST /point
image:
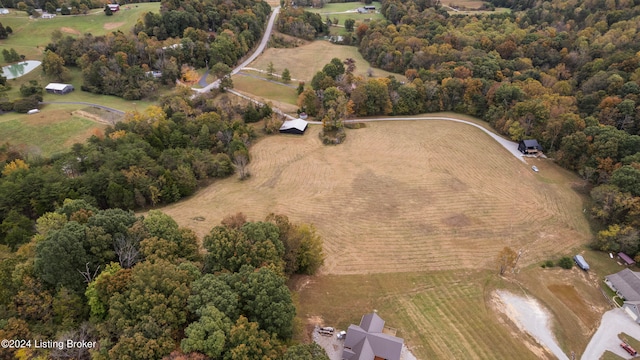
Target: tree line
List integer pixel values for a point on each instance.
(565, 73)
(142, 287)
(151, 158)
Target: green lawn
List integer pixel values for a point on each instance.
(51, 131)
(265, 89)
(440, 315)
(30, 36)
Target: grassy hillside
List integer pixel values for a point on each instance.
(30, 36)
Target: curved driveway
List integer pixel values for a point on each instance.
(259, 50)
(511, 146)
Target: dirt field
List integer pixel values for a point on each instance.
(113, 25)
(397, 197)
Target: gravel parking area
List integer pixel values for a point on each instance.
(613, 323)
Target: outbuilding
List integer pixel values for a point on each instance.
(297, 126)
(57, 88)
(113, 7)
(529, 147)
(626, 259)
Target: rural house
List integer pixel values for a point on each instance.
(369, 342)
(113, 7)
(626, 284)
(297, 126)
(57, 88)
(528, 147)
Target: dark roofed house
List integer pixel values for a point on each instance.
(368, 342)
(626, 284)
(626, 259)
(529, 146)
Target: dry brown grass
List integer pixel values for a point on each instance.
(113, 25)
(403, 196)
(304, 61)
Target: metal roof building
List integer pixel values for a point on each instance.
(57, 88)
(368, 342)
(297, 126)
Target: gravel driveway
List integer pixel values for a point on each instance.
(613, 323)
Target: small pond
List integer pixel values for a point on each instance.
(18, 69)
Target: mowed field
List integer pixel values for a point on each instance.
(304, 61)
(402, 197)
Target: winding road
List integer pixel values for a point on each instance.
(511, 146)
(259, 50)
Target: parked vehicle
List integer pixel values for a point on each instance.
(534, 168)
(580, 261)
(326, 331)
(629, 349)
(341, 335)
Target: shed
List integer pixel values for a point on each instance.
(369, 7)
(57, 88)
(626, 259)
(530, 146)
(297, 126)
(48, 16)
(4, 11)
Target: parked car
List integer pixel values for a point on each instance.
(534, 168)
(341, 335)
(628, 349)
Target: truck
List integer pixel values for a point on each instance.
(581, 262)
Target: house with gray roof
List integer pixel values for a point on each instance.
(626, 284)
(369, 342)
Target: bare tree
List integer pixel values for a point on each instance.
(88, 275)
(506, 260)
(127, 250)
(240, 162)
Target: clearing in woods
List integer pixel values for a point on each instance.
(304, 61)
(410, 196)
(413, 215)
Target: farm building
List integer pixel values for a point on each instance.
(369, 7)
(57, 88)
(297, 126)
(113, 7)
(4, 11)
(369, 342)
(529, 146)
(626, 259)
(48, 16)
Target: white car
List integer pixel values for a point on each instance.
(534, 168)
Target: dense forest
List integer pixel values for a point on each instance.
(197, 34)
(141, 287)
(152, 158)
(564, 72)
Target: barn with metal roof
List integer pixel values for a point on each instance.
(297, 126)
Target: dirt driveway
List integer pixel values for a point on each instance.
(613, 323)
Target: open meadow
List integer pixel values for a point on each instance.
(413, 215)
(30, 36)
(304, 61)
(410, 196)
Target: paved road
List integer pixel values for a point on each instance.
(511, 146)
(259, 50)
(613, 323)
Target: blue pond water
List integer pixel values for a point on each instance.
(16, 70)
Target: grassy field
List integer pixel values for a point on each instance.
(304, 61)
(343, 11)
(265, 89)
(413, 215)
(392, 200)
(51, 131)
(30, 36)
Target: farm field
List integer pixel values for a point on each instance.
(51, 131)
(382, 207)
(30, 36)
(304, 61)
(412, 229)
(337, 10)
(265, 89)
